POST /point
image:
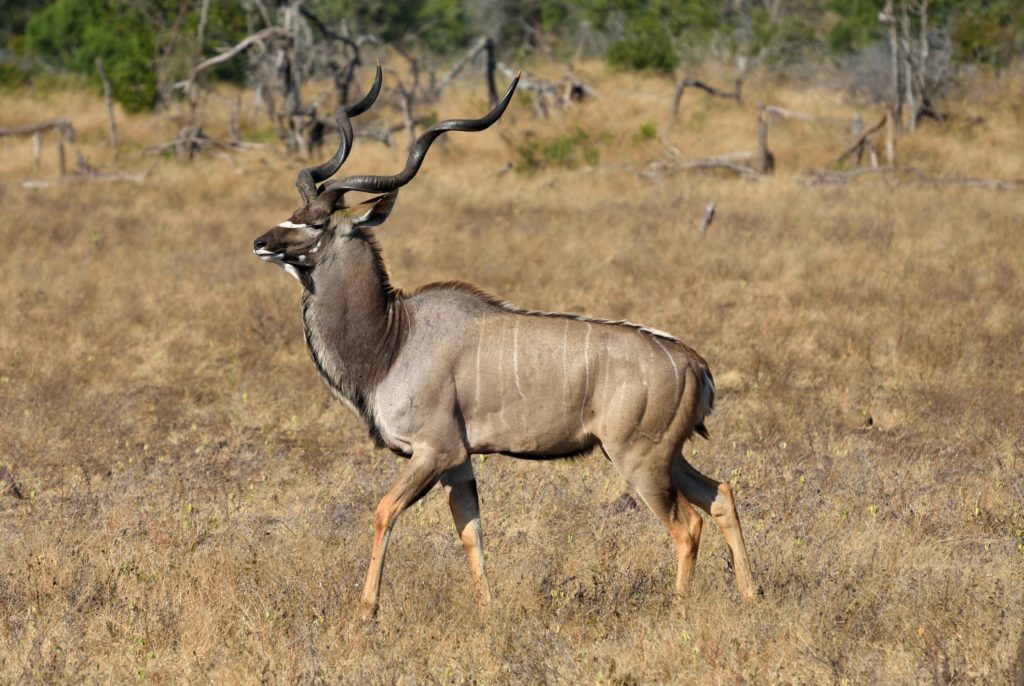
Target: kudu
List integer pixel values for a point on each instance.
(449, 371)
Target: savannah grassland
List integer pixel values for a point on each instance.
(196, 508)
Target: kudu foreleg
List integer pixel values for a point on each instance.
(460, 489)
(417, 477)
(715, 498)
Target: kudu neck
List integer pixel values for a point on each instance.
(352, 275)
(355, 321)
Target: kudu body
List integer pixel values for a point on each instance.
(449, 371)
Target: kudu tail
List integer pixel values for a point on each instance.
(705, 400)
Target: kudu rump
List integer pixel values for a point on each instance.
(448, 371)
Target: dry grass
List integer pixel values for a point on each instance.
(197, 509)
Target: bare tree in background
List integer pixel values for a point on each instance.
(915, 77)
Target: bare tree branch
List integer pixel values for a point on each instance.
(267, 34)
(859, 145)
(61, 124)
(684, 83)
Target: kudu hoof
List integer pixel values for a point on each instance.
(368, 611)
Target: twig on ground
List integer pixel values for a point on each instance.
(7, 477)
(705, 222)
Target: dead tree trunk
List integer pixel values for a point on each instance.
(485, 45)
(108, 98)
(492, 65)
(291, 71)
(888, 16)
(922, 66)
(408, 93)
(909, 82)
(204, 17)
(765, 157)
(890, 139)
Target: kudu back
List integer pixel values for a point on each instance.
(449, 371)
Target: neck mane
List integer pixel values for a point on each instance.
(355, 322)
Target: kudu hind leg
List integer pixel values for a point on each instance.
(682, 521)
(715, 498)
(417, 477)
(460, 489)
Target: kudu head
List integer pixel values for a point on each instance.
(298, 243)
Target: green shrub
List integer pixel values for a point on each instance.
(72, 33)
(857, 25)
(648, 132)
(567, 150)
(440, 24)
(649, 45)
(990, 33)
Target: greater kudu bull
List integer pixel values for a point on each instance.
(448, 371)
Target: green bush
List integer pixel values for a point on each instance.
(648, 132)
(785, 41)
(857, 25)
(988, 32)
(567, 150)
(72, 33)
(13, 75)
(442, 25)
(649, 45)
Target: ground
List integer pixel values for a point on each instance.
(195, 508)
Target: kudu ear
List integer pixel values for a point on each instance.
(374, 211)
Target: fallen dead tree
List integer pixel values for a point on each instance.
(64, 129)
(84, 173)
(191, 140)
(823, 177)
(551, 96)
(769, 111)
(750, 164)
(673, 161)
(112, 177)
